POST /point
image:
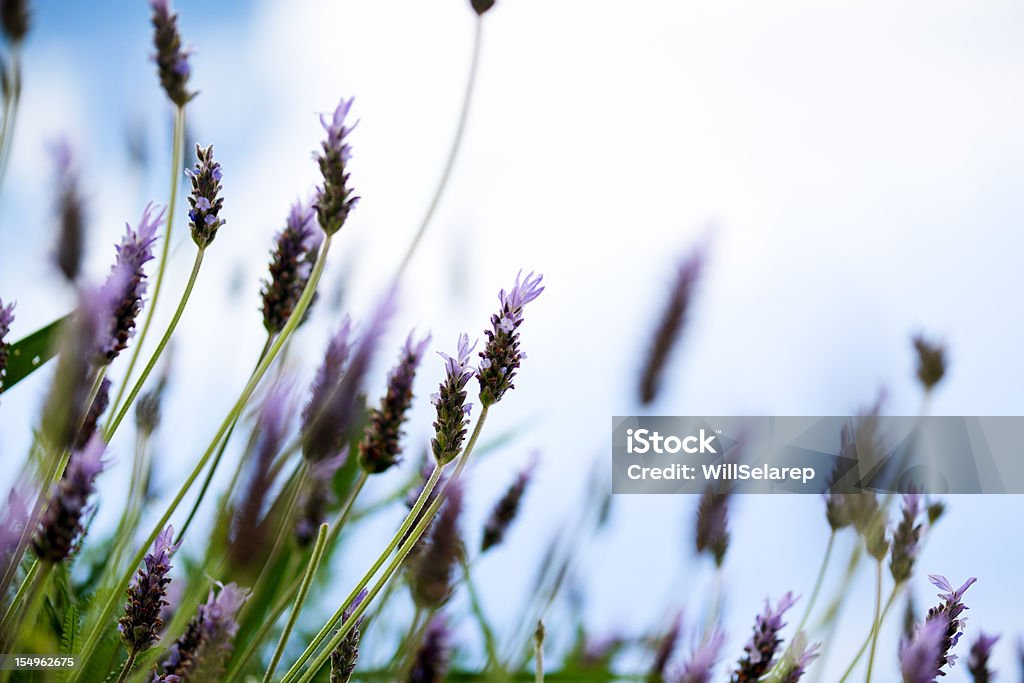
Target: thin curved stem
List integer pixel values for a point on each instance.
(127, 668)
(220, 454)
(300, 599)
(107, 611)
(819, 582)
(10, 111)
(453, 153)
(18, 600)
(196, 265)
(403, 551)
(177, 152)
(875, 624)
(867, 641)
(407, 523)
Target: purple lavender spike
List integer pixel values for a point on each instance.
(501, 355)
(62, 524)
(761, 649)
(380, 447)
(126, 284)
(919, 656)
(171, 59)
(699, 668)
(328, 429)
(295, 250)
(141, 624)
(334, 198)
(202, 650)
(450, 403)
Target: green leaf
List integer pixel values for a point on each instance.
(31, 353)
(69, 638)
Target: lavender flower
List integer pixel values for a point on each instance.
(80, 344)
(713, 525)
(291, 263)
(126, 283)
(330, 422)
(6, 318)
(325, 383)
(345, 656)
(931, 362)
(380, 447)
(948, 613)
(501, 356)
(699, 667)
(62, 524)
(334, 199)
(14, 16)
(431, 662)
(797, 658)
(200, 652)
(432, 575)
(481, 6)
(505, 511)
(317, 498)
(764, 643)
(71, 212)
(450, 402)
(250, 535)
(839, 507)
(906, 539)
(141, 624)
(171, 59)
(204, 200)
(977, 663)
(665, 650)
(92, 417)
(919, 656)
(12, 525)
(147, 407)
(670, 326)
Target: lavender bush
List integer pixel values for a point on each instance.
(253, 592)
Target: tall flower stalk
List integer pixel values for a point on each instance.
(174, 70)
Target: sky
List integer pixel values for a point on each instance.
(853, 168)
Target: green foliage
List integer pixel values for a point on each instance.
(31, 353)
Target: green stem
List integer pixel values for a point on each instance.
(217, 458)
(343, 517)
(178, 143)
(10, 111)
(871, 634)
(300, 599)
(403, 550)
(876, 624)
(395, 540)
(27, 607)
(6, 626)
(538, 652)
(112, 602)
(127, 668)
(196, 265)
(819, 582)
(452, 153)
